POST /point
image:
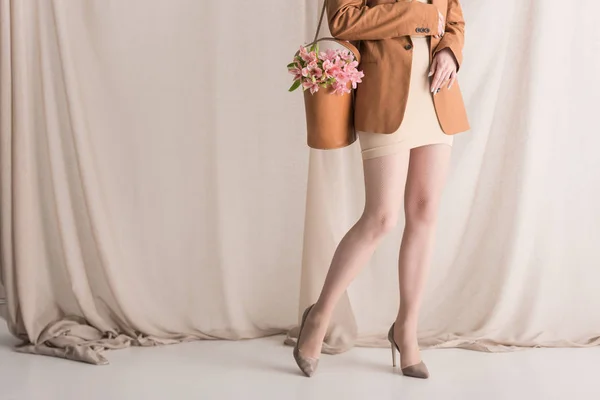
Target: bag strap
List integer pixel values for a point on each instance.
(320, 21)
(344, 43)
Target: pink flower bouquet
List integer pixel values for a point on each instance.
(332, 68)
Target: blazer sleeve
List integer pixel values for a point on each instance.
(354, 20)
(454, 36)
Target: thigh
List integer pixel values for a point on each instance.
(385, 178)
(427, 172)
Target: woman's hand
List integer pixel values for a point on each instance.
(441, 25)
(442, 68)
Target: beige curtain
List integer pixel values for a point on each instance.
(153, 172)
(153, 181)
(2, 301)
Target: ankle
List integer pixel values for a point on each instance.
(405, 324)
(405, 331)
(320, 312)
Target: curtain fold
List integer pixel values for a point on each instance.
(5, 153)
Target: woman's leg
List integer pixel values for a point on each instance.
(427, 173)
(385, 178)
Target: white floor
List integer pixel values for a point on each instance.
(264, 369)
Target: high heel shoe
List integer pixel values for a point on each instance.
(416, 371)
(308, 365)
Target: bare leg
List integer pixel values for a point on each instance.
(385, 178)
(427, 173)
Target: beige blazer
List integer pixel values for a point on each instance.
(383, 32)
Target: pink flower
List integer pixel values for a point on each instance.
(356, 78)
(342, 77)
(303, 52)
(297, 72)
(312, 71)
(350, 66)
(310, 85)
(317, 72)
(346, 55)
(340, 88)
(328, 55)
(352, 74)
(307, 56)
(331, 69)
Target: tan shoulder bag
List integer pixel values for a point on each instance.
(330, 117)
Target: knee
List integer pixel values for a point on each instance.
(421, 211)
(380, 223)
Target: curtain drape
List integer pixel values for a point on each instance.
(156, 185)
(153, 172)
(2, 302)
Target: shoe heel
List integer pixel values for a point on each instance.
(392, 344)
(416, 371)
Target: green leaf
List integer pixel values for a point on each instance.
(291, 65)
(295, 86)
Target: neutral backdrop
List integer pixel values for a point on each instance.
(156, 185)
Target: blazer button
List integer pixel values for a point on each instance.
(427, 30)
(418, 30)
(408, 46)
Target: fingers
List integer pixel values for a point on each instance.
(441, 75)
(433, 67)
(437, 76)
(443, 68)
(452, 79)
(437, 81)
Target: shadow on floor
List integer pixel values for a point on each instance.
(6, 339)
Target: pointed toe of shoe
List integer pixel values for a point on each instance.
(310, 369)
(416, 371)
(307, 365)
